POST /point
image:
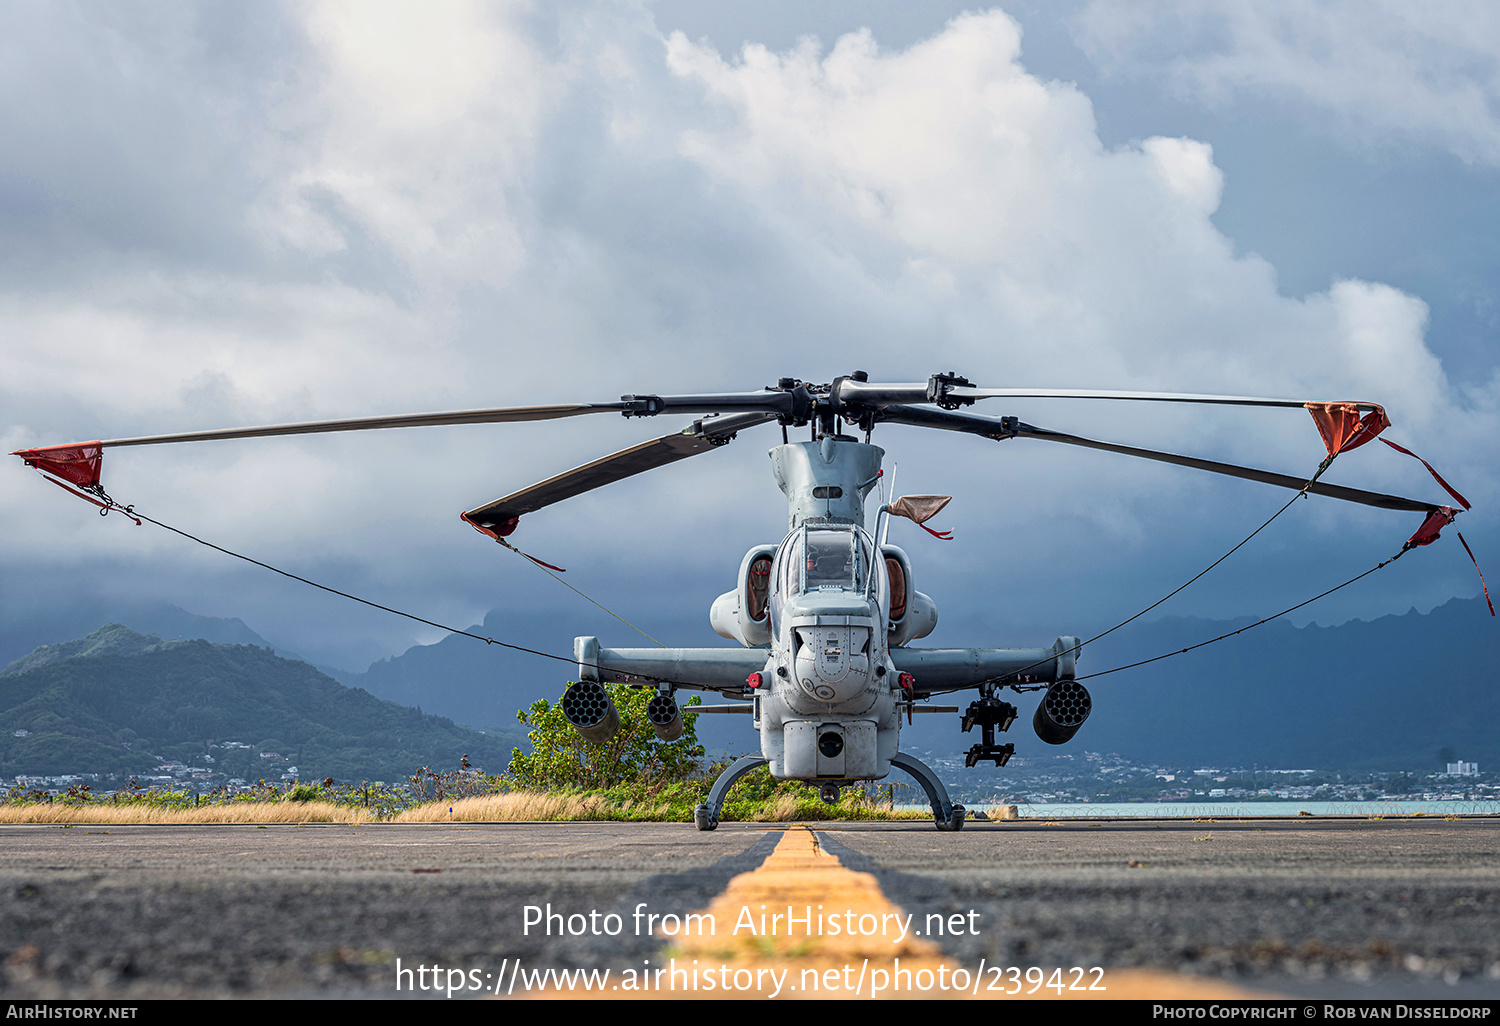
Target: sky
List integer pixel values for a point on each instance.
(219, 214)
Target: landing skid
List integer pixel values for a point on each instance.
(947, 815)
(706, 816)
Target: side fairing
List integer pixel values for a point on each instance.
(743, 615)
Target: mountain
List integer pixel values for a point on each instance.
(111, 640)
(24, 626)
(1388, 694)
(1385, 694)
(484, 685)
(118, 701)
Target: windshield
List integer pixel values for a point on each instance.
(819, 559)
(832, 561)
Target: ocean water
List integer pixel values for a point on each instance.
(1250, 810)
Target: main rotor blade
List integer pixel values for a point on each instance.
(500, 415)
(999, 430)
(782, 403)
(499, 517)
(1155, 397)
(948, 392)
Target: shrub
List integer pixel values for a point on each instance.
(561, 758)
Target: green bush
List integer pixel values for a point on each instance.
(562, 759)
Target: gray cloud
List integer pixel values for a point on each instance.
(1389, 70)
(307, 213)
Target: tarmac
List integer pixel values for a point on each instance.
(1306, 907)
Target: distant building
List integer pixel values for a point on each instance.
(1463, 769)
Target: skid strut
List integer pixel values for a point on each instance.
(947, 815)
(706, 816)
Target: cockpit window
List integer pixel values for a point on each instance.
(820, 559)
(832, 560)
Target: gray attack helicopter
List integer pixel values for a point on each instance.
(824, 619)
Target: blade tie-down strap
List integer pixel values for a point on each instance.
(134, 514)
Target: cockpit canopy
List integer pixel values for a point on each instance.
(816, 559)
(832, 561)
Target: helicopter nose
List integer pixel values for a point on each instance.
(833, 660)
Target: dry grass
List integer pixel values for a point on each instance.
(788, 808)
(782, 810)
(524, 806)
(517, 807)
(521, 806)
(239, 812)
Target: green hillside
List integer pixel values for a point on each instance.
(121, 702)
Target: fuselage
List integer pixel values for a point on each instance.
(823, 620)
(821, 602)
(826, 707)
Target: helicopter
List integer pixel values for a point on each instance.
(826, 617)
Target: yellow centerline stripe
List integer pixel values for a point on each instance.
(799, 874)
(815, 959)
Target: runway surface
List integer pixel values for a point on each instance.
(1309, 907)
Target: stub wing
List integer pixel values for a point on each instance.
(710, 669)
(726, 669)
(943, 669)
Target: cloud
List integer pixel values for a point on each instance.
(488, 205)
(1389, 70)
(1097, 265)
(414, 129)
(1188, 167)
